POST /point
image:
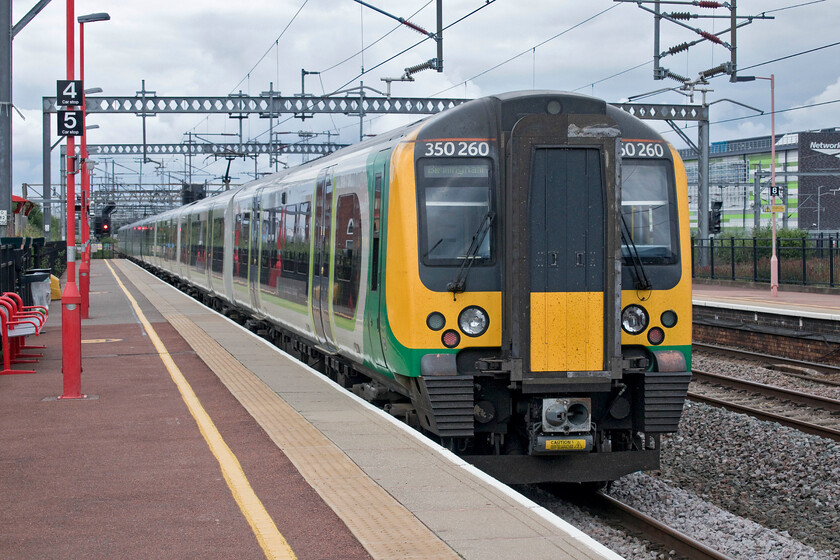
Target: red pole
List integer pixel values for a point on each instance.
(71, 321)
(774, 259)
(84, 269)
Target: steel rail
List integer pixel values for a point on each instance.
(802, 426)
(654, 530)
(780, 393)
(737, 352)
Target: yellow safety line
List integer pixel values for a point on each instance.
(271, 540)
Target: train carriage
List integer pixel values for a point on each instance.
(510, 275)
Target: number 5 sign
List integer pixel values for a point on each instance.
(69, 93)
(70, 123)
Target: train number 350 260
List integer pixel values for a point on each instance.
(633, 148)
(457, 148)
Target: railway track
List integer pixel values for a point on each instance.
(802, 411)
(811, 371)
(642, 525)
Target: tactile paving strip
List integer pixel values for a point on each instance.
(383, 526)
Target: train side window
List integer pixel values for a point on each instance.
(347, 254)
(218, 242)
(288, 242)
(241, 232)
(304, 234)
(268, 253)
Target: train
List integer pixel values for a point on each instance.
(511, 276)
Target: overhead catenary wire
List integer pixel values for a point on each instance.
(347, 59)
(273, 45)
(456, 22)
(740, 69)
(354, 55)
(530, 49)
(368, 70)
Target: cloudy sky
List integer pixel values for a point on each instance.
(217, 47)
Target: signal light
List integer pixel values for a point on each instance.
(714, 216)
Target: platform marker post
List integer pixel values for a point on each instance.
(84, 268)
(71, 299)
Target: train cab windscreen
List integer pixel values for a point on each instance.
(455, 206)
(648, 207)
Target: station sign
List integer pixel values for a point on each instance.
(69, 93)
(71, 123)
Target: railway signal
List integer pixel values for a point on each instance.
(714, 216)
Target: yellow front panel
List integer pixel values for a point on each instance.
(567, 331)
(408, 301)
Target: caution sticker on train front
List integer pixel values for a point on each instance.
(565, 444)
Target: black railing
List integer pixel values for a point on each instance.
(813, 261)
(26, 260)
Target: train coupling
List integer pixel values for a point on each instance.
(565, 426)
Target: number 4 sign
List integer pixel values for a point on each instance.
(68, 93)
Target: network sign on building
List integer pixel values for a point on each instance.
(819, 184)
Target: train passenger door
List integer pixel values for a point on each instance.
(565, 268)
(376, 287)
(322, 257)
(256, 248)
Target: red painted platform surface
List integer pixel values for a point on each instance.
(127, 474)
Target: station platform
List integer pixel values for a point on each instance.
(814, 305)
(198, 439)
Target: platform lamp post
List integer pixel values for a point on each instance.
(774, 260)
(84, 269)
(71, 321)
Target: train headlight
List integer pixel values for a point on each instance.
(634, 319)
(473, 321)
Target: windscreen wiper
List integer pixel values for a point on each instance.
(642, 281)
(459, 284)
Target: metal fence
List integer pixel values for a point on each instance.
(813, 261)
(103, 251)
(26, 260)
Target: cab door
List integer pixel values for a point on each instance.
(322, 258)
(562, 293)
